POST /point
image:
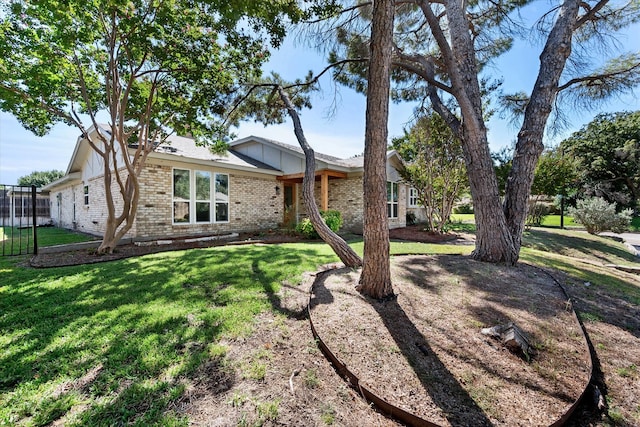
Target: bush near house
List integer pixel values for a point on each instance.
(332, 218)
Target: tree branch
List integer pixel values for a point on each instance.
(597, 79)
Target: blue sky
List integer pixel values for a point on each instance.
(334, 126)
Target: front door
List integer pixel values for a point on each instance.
(290, 210)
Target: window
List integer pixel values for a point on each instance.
(85, 190)
(413, 198)
(203, 196)
(222, 197)
(392, 199)
(197, 198)
(181, 195)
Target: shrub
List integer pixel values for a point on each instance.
(411, 218)
(536, 213)
(333, 219)
(464, 208)
(597, 215)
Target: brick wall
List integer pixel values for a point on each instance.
(346, 196)
(253, 205)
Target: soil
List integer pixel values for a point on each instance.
(422, 350)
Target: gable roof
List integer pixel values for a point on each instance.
(355, 162)
(190, 152)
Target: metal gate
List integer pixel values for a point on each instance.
(20, 209)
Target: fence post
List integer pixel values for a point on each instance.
(35, 217)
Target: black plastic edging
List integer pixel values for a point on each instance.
(407, 417)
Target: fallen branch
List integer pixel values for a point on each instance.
(293, 374)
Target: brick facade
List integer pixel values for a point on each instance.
(255, 195)
(346, 196)
(253, 205)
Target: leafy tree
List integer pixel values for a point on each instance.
(607, 152)
(502, 161)
(40, 178)
(440, 51)
(554, 174)
(434, 167)
(154, 68)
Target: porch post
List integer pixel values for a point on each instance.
(324, 191)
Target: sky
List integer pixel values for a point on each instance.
(335, 125)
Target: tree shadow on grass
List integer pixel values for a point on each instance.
(148, 321)
(600, 249)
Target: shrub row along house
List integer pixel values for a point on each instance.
(185, 190)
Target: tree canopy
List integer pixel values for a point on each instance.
(146, 68)
(40, 178)
(440, 54)
(607, 153)
(554, 174)
(434, 167)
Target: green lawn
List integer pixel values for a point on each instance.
(13, 238)
(144, 322)
(459, 220)
(141, 325)
(554, 221)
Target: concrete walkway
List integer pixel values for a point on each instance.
(630, 239)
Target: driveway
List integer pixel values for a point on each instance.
(631, 239)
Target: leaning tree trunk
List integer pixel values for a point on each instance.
(346, 254)
(375, 280)
(529, 145)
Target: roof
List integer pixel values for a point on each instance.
(188, 149)
(355, 162)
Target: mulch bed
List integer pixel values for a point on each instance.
(84, 256)
(423, 350)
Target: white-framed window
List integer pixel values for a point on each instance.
(203, 196)
(412, 201)
(181, 196)
(392, 199)
(200, 196)
(221, 197)
(85, 191)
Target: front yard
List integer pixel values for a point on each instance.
(148, 340)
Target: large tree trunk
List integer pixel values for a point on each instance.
(529, 145)
(113, 232)
(346, 254)
(494, 243)
(375, 280)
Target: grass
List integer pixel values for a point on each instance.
(138, 320)
(15, 241)
(578, 244)
(112, 343)
(554, 221)
(144, 324)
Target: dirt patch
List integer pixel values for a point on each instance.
(417, 233)
(443, 369)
